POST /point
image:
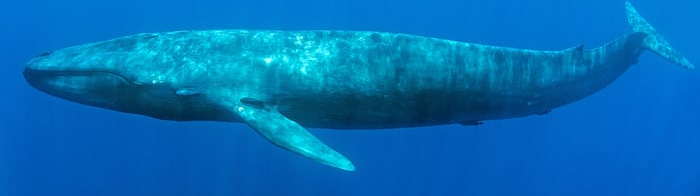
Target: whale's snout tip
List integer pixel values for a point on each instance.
(32, 76)
(29, 72)
(26, 72)
(30, 69)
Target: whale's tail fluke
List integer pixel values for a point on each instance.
(654, 41)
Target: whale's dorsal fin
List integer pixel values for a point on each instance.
(285, 133)
(576, 49)
(471, 123)
(574, 53)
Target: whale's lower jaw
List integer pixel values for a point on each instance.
(95, 88)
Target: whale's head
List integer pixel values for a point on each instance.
(110, 74)
(79, 74)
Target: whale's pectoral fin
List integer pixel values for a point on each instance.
(289, 135)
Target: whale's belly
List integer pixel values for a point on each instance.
(390, 111)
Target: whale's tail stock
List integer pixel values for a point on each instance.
(653, 40)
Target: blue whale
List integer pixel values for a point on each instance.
(281, 82)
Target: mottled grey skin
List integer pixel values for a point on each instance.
(336, 79)
(332, 79)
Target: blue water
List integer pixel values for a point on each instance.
(639, 136)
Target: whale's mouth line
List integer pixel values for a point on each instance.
(31, 74)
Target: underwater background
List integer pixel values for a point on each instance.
(639, 136)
